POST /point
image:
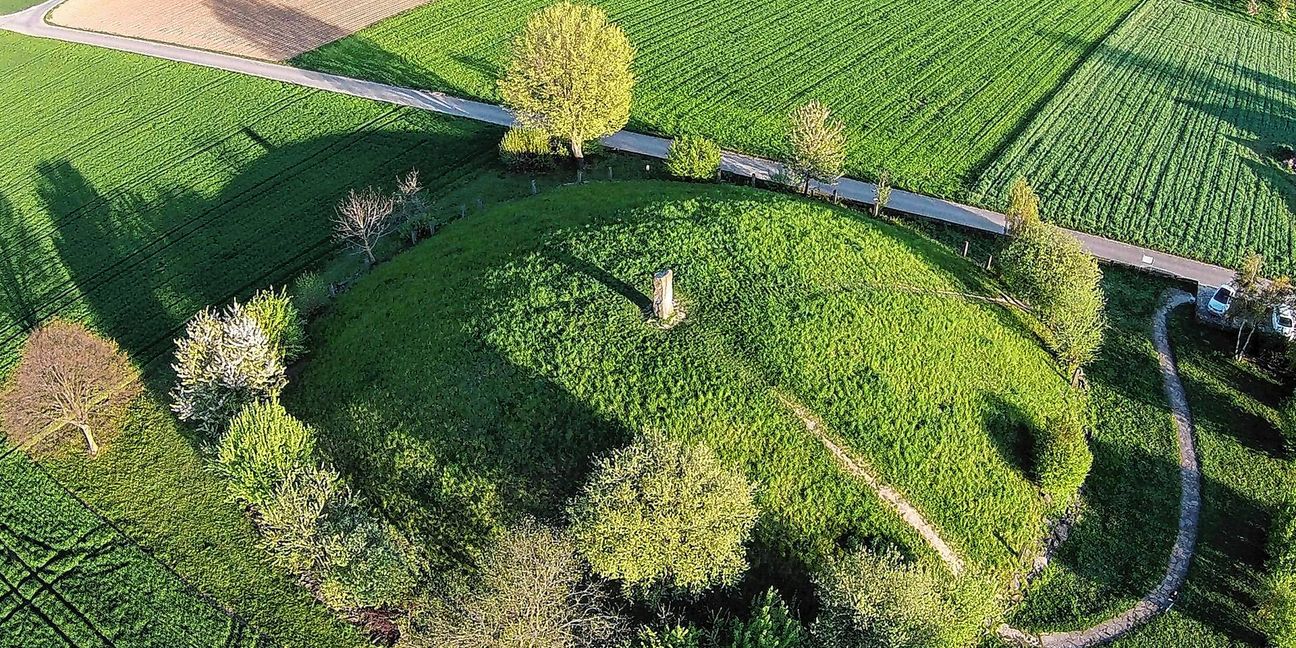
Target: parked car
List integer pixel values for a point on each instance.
(1283, 322)
(1219, 302)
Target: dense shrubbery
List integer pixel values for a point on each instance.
(662, 518)
(279, 319)
(1276, 616)
(1062, 457)
(771, 626)
(262, 447)
(69, 383)
(693, 156)
(881, 601)
(526, 149)
(531, 591)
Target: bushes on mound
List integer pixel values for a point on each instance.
(1276, 614)
(877, 599)
(694, 157)
(526, 149)
(262, 447)
(663, 518)
(1062, 457)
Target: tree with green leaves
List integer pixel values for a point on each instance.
(771, 626)
(1023, 206)
(664, 518)
(1250, 302)
(1052, 271)
(817, 145)
(569, 75)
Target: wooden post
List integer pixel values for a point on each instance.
(463, 210)
(965, 248)
(481, 205)
(609, 172)
(664, 294)
(580, 176)
(534, 189)
(835, 201)
(988, 261)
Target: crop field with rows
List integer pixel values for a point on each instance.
(1166, 138)
(134, 192)
(929, 90)
(67, 578)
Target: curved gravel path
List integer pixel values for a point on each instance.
(1160, 599)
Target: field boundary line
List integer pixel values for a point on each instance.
(888, 494)
(1167, 591)
(31, 22)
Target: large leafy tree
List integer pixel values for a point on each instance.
(570, 75)
(663, 517)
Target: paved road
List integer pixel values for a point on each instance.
(1160, 599)
(32, 22)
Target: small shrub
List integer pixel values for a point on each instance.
(664, 518)
(262, 447)
(693, 156)
(1287, 415)
(310, 293)
(279, 319)
(1062, 457)
(223, 362)
(526, 149)
(69, 383)
(676, 637)
(1276, 610)
(771, 626)
(293, 524)
(881, 601)
(369, 564)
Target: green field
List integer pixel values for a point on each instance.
(469, 380)
(135, 192)
(1164, 138)
(929, 90)
(68, 578)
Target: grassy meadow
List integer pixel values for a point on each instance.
(929, 90)
(469, 380)
(1165, 138)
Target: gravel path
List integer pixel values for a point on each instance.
(892, 497)
(32, 22)
(1160, 599)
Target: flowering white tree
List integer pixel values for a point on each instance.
(224, 361)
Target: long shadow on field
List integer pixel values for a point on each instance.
(18, 260)
(139, 260)
(272, 27)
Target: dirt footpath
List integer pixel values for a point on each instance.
(273, 30)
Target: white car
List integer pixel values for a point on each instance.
(1283, 322)
(1219, 302)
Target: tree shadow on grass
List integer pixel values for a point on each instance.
(18, 260)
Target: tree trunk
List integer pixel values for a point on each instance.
(1237, 346)
(1247, 343)
(90, 441)
(578, 152)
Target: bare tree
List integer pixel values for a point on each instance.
(363, 219)
(533, 592)
(1248, 303)
(818, 145)
(69, 379)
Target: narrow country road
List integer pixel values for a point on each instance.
(32, 22)
(1160, 599)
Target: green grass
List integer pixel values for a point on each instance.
(929, 90)
(1164, 138)
(136, 191)
(1118, 552)
(469, 380)
(14, 6)
(67, 578)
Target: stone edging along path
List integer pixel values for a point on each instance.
(1160, 599)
